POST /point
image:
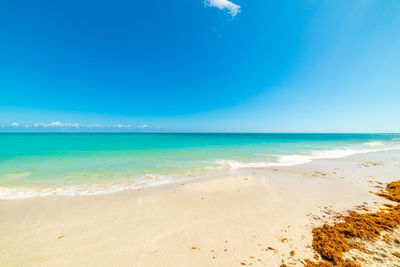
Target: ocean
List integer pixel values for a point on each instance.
(39, 164)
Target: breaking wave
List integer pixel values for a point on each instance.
(148, 180)
(374, 143)
(290, 160)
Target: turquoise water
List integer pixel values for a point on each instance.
(69, 164)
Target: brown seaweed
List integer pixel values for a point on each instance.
(332, 241)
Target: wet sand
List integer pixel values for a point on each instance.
(254, 217)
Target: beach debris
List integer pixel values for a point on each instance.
(292, 253)
(393, 192)
(319, 173)
(396, 254)
(369, 164)
(332, 241)
(59, 237)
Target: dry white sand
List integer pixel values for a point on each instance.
(253, 217)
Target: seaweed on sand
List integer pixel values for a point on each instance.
(332, 241)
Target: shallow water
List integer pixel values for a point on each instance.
(70, 164)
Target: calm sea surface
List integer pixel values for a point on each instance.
(70, 164)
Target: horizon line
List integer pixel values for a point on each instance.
(187, 132)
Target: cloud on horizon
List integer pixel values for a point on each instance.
(70, 125)
(121, 126)
(52, 124)
(144, 126)
(233, 9)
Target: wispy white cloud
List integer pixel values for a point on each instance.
(97, 126)
(54, 124)
(232, 8)
(73, 125)
(144, 126)
(121, 126)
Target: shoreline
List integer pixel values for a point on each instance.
(255, 216)
(154, 180)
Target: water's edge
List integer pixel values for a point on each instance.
(151, 180)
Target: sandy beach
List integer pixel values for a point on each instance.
(205, 133)
(259, 217)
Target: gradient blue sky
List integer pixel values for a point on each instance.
(157, 65)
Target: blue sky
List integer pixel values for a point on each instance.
(195, 65)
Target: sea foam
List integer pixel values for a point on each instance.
(147, 180)
(374, 143)
(290, 160)
(150, 180)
